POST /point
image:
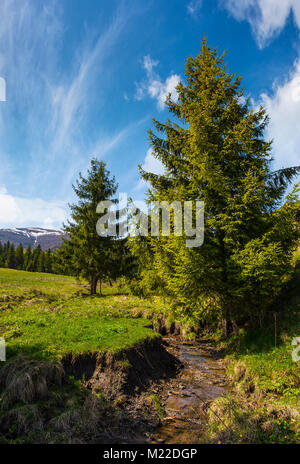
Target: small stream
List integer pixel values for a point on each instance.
(201, 380)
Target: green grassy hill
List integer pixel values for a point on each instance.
(47, 316)
(59, 343)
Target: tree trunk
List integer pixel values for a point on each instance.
(94, 285)
(100, 286)
(224, 328)
(235, 328)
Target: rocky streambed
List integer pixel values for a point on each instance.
(156, 392)
(186, 398)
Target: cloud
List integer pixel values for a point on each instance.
(149, 64)
(150, 164)
(266, 17)
(47, 124)
(18, 212)
(154, 87)
(283, 107)
(194, 7)
(69, 100)
(2, 89)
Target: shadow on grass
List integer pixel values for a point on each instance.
(114, 292)
(34, 351)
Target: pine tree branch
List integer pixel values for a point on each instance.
(283, 177)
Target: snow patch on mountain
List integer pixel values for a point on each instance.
(33, 236)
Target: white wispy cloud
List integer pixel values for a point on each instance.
(154, 86)
(48, 104)
(150, 164)
(283, 107)
(266, 17)
(25, 212)
(194, 6)
(69, 100)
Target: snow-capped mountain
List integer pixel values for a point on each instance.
(46, 238)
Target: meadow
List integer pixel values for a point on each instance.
(46, 316)
(50, 324)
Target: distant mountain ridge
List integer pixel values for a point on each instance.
(33, 236)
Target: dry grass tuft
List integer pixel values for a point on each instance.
(21, 420)
(26, 381)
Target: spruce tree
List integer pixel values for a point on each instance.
(48, 261)
(11, 258)
(20, 257)
(41, 262)
(88, 254)
(213, 149)
(1, 255)
(35, 258)
(28, 258)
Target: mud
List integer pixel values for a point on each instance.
(125, 372)
(201, 380)
(155, 392)
(183, 399)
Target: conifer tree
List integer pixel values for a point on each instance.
(35, 257)
(213, 149)
(1, 255)
(89, 255)
(41, 262)
(6, 247)
(19, 257)
(11, 258)
(48, 261)
(27, 258)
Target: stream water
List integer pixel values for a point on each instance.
(201, 380)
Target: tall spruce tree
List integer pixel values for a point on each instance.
(27, 258)
(213, 149)
(35, 258)
(19, 256)
(89, 255)
(41, 262)
(2, 261)
(11, 258)
(48, 261)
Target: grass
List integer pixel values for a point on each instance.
(14, 284)
(269, 357)
(264, 404)
(273, 367)
(158, 406)
(46, 317)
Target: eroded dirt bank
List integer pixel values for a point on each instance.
(84, 398)
(157, 391)
(127, 372)
(178, 403)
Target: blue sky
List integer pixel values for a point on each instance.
(84, 79)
